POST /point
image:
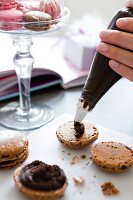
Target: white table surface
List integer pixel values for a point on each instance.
(44, 146)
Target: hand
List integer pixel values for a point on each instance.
(118, 46)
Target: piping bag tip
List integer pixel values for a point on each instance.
(81, 112)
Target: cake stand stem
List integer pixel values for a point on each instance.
(25, 116)
(23, 62)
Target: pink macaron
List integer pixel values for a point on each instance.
(7, 4)
(51, 7)
(26, 7)
(8, 17)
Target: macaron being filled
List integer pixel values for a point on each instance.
(9, 19)
(40, 181)
(77, 135)
(13, 148)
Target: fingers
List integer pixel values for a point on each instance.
(118, 46)
(118, 38)
(115, 53)
(125, 24)
(122, 69)
(129, 3)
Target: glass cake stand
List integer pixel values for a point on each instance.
(27, 116)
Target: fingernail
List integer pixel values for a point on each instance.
(113, 63)
(102, 47)
(122, 22)
(104, 34)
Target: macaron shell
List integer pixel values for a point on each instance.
(13, 148)
(112, 156)
(37, 16)
(50, 7)
(27, 7)
(13, 156)
(14, 163)
(8, 1)
(11, 15)
(66, 135)
(37, 194)
(11, 142)
(4, 5)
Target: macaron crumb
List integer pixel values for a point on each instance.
(78, 180)
(108, 188)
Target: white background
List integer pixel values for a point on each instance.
(104, 8)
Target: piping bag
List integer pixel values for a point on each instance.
(101, 77)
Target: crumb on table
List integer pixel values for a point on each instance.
(83, 156)
(108, 188)
(78, 180)
(74, 160)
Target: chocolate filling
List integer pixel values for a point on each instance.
(41, 176)
(79, 129)
(6, 162)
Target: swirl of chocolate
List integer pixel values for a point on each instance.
(41, 176)
(79, 129)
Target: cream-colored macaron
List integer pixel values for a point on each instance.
(37, 20)
(112, 156)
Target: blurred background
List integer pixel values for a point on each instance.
(88, 18)
(102, 8)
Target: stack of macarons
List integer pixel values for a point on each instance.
(12, 13)
(13, 148)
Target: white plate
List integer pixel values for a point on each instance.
(45, 146)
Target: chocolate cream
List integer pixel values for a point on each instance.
(101, 77)
(41, 176)
(79, 129)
